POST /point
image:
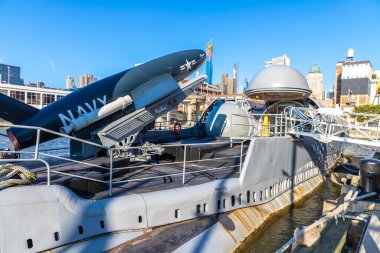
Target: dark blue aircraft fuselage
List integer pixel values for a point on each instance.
(179, 65)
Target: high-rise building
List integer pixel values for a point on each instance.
(245, 85)
(86, 80)
(337, 83)
(328, 95)
(10, 74)
(209, 62)
(281, 60)
(355, 82)
(229, 84)
(235, 71)
(375, 87)
(70, 82)
(315, 81)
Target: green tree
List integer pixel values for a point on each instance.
(371, 109)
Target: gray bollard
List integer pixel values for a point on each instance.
(370, 175)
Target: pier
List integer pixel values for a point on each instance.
(371, 239)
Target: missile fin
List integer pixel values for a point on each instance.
(15, 111)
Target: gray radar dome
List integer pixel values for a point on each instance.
(278, 83)
(218, 122)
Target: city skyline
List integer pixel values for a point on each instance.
(122, 34)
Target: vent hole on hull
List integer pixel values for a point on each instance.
(176, 213)
(56, 236)
(80, 230)
(101, 224)
(140, 219)
(198, 208)
(29, 242)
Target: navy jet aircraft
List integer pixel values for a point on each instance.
(103, 102)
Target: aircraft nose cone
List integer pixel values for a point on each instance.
(186, 62)
(197, 57)
(199, 51)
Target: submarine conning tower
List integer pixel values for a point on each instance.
(278, 83)
(280, 86)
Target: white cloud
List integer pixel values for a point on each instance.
(53, 67)
(3, 59)
(51, 62)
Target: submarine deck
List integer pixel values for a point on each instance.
(222, 162)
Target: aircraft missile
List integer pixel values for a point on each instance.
(92, 106)
(96, 115)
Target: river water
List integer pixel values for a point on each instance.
(58, 146)
(280, 229)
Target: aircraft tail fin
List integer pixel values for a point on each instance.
(15, 111)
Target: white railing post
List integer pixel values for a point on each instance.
(184, 165)
(111, 170)
(48, 175)
(37, 144)
(275, 125)
(291, 119)
(231, 130)
(286, 125)
(241, 156)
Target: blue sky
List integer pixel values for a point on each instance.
(52, 39)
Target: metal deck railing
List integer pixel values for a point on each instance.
(169, 125)
(327, 124)
(320, 125)
(185, 164)
(255, 126)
